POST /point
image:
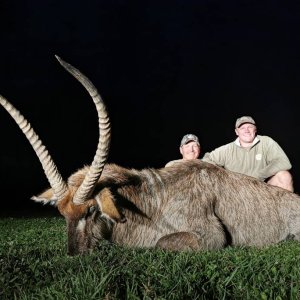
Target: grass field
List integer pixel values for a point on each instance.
(34, 265)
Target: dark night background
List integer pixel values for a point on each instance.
(164, 69)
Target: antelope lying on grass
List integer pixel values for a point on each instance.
(191, 205)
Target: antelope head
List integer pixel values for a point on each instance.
(89, 214)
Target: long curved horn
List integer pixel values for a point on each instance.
(57, 183)
(96, 168)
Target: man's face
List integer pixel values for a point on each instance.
(246, 133)
(191, 150)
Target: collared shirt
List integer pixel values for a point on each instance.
(261, 160)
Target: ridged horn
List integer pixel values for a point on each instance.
(56, 182)
(96, 168)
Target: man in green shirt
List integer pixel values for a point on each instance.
(254, 155)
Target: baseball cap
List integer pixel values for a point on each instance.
(188, 138)
(242, 120)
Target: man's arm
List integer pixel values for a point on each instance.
(276, 159)
(216, 157)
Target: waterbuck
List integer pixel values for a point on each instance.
(192, 205)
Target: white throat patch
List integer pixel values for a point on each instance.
(81, 225)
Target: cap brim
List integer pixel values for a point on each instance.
(247, 122)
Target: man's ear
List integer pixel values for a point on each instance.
(47, 197)
(236, 132)
(180, 149)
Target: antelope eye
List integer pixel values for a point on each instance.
(91, 209)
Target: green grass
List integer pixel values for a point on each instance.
(34, 265)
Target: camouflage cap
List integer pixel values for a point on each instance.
(242, 120)
(188, 138)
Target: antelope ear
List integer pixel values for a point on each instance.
(47, 197)
(108, 206)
